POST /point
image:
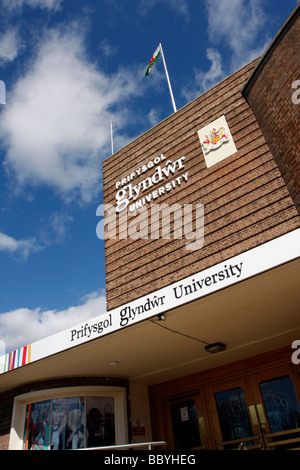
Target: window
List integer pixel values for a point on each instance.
(91, 417)
(281, 403)
(233, 414)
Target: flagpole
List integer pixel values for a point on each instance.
(111, 138)
(168, 80)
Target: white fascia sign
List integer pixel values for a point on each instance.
(236, 269)
(166, 175)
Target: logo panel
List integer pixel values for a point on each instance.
(216, 141)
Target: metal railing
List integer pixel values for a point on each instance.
(268, 441)
(244, 443)
(140, 445)
(241, 444)
(282, 442)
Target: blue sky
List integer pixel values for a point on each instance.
(70, 67)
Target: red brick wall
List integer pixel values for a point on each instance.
(276, 103)
(246, 201)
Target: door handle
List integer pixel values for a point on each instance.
(261, 414)
(202, 425)
(253, 415)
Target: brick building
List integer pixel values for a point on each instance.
(199, 343)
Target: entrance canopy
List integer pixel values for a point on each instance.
(250, 317)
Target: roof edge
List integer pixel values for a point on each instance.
(182, 108)
(266, 55)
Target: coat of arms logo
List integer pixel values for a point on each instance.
(214, 139)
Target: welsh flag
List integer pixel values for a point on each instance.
(152, 61)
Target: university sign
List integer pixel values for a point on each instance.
(137, 211)
(132, 195)
(216, 142)
(215, 139)
(246, 265)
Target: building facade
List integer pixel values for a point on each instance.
(200, 343)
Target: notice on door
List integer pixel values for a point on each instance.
(138, 427)
(184, 414)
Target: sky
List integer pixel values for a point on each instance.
(70, 67)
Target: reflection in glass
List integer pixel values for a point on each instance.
(233, 414)
(60, 424)
(100, 421)
(37, 424)
(75, 423)
(281, 404)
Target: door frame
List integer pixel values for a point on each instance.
(212, 390)
(202, 418)
(270, 374)
(257, 378)
(270, 364)
(254, 401)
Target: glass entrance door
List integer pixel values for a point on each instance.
(233, 415)
(281, 404)
(231, 408)
(187, 423)
(257, 411)
(278, 405)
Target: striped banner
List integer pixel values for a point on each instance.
(17, 358)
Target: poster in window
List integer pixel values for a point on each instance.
(37, 426)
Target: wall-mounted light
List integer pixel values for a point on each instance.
(215, 348)
(161, 317)
(114, 363)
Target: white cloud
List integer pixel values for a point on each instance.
(107, 48)
(56, 127)
(153, 117)
(235, 32)
(55, 229)
(24, 326)
(44, 4)
(239, 26)
(179, 6)
(205, 80)
(22, 247)
(10, 44)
